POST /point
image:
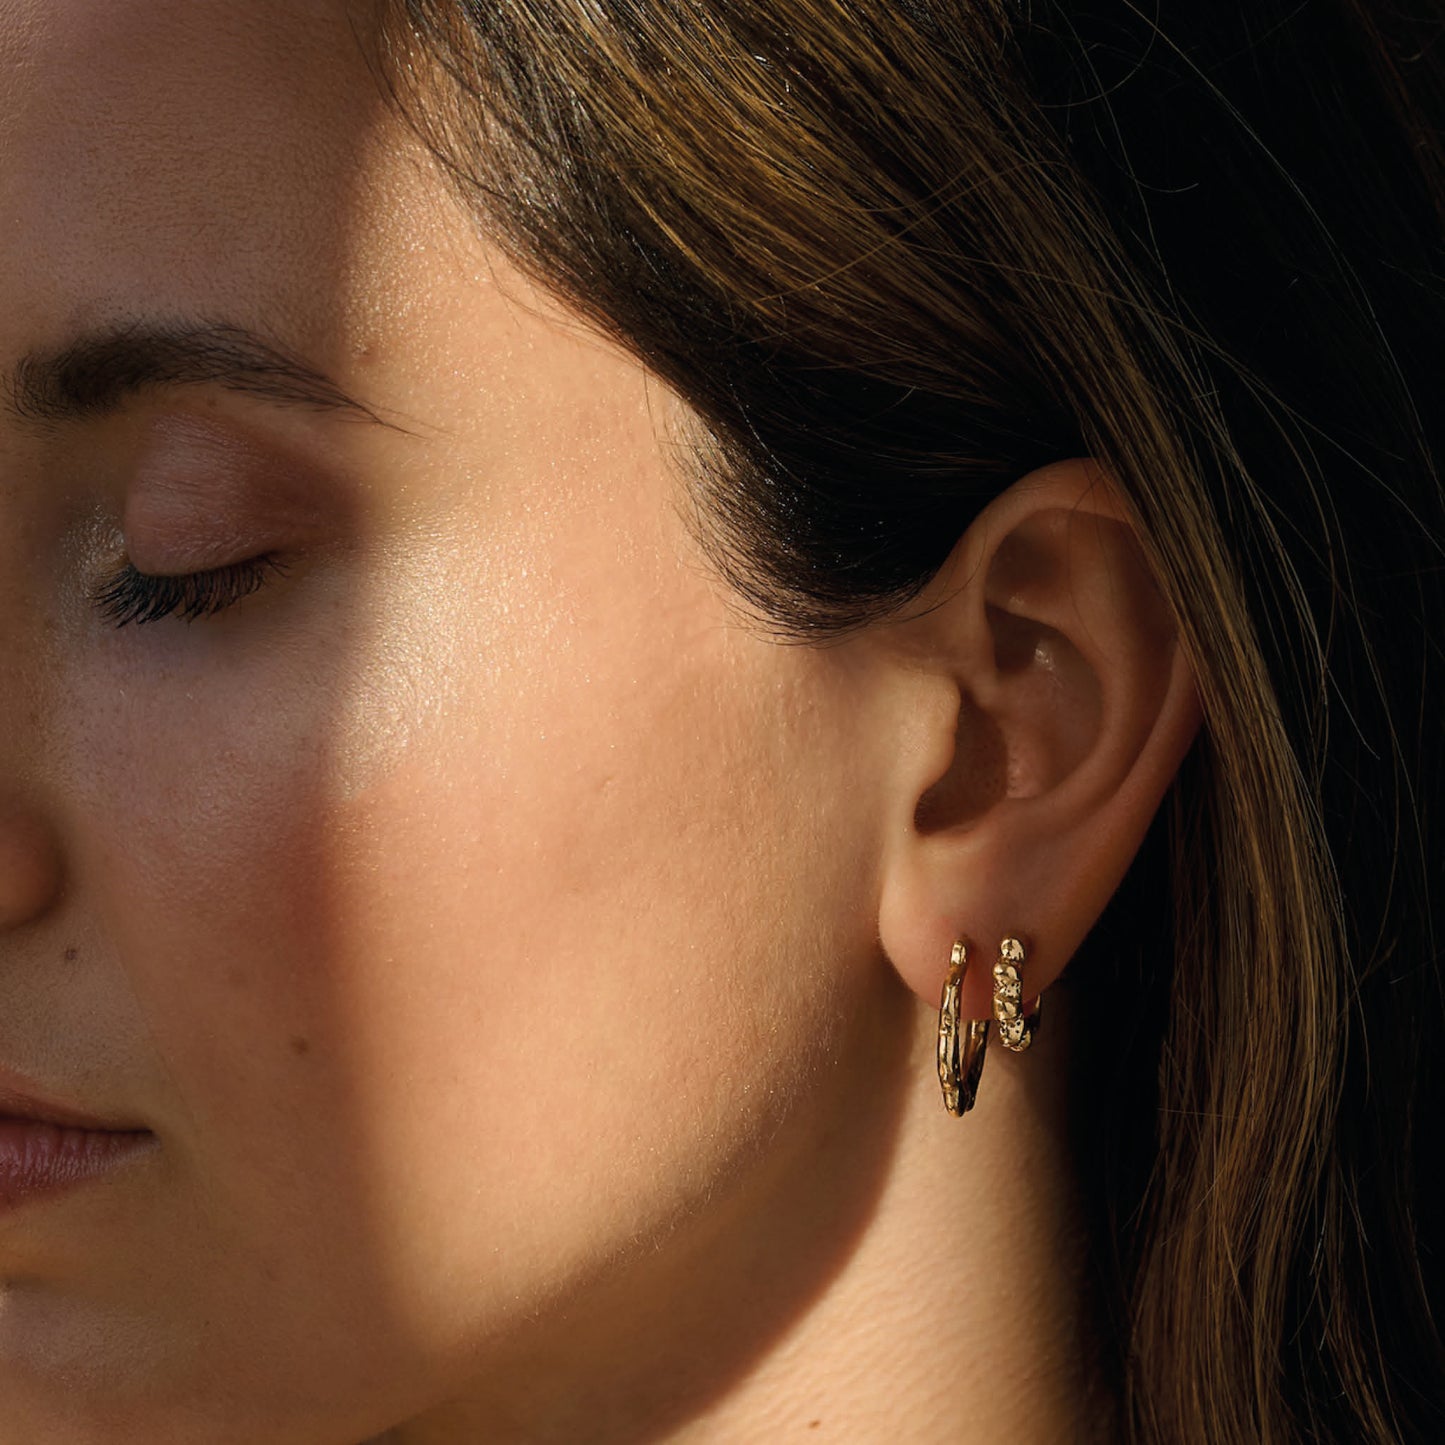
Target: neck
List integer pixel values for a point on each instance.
(960, 1313)
(920, 1277)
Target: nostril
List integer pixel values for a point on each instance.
(30, 865)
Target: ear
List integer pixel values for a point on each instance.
(1048, 706)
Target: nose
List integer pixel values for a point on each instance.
(31, 875)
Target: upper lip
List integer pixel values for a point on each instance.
(19, 1099)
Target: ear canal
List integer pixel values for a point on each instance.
(976, 778)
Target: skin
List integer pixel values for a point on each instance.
(527, 968)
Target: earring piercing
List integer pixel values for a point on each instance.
(960, 1044)
(1016, 1030)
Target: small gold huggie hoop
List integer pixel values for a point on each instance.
(960, 1045)
(1015, 1029)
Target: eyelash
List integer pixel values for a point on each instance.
(133, 596)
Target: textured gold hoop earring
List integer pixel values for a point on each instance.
(1015, 1030)
(960, 1043)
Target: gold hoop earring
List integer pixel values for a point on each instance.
(960, 1045)
(1015, 1029)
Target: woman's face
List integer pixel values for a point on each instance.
(475, 910)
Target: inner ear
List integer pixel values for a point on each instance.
(1050, 704)
(975, 779)
(1042, 719)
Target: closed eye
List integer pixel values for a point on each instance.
(135, 596)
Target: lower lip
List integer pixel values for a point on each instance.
(38, 1158)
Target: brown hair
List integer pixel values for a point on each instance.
(896, 253)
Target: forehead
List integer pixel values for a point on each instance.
(182, 157)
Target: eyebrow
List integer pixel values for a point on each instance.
(98, 373)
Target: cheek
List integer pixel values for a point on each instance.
(490, 889)
(574, 899)
(200, 846)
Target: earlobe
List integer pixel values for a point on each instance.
(1069, 708)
